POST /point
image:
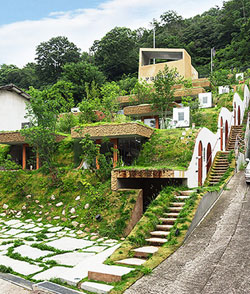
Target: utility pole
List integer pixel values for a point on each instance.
(154, 41)
(213, 52)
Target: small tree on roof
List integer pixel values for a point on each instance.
(163, 96)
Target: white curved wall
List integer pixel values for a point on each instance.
(205, 136)
(12, 111)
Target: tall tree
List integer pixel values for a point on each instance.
(117, 53)
(163, 97)
(79, 74)
(51, 56)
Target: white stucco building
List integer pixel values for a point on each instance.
(12, 108)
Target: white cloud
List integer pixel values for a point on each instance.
(83, 26)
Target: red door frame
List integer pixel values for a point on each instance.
(221, 133)
(226, 133)
(234, 113)
(200, 164)
(238, 115)
(209, 156)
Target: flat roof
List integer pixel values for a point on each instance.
(111, 130)
(15, 138)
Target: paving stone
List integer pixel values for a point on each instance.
(29, 226)
(20, 267)
(48, 226)
(37, 229)
(16, 226)
(13, 232)
(96, 287)
(24, 235)
(54, 288)
(50, 235)
(95, 249)
(12, 222)
(74, 275)
(108, 273)
(6, 246)
(67, 243)
(71, 258)
(31, 252)
(131, 261)
(52, 273)
(54, 229)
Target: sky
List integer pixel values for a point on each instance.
(24, 24)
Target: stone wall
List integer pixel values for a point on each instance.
(132, 174)
(136, 213)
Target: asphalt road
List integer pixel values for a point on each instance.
(216, 257)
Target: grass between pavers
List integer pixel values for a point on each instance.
(182, 224)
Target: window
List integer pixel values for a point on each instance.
(180, 116)
(25, 125)
(204, 100)
(150, 122)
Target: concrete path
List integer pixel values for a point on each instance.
(216, 257)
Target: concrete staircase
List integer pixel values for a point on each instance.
(219, 167)
(159, 236)
(234, 132)
(111, 273)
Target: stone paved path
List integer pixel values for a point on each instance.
(66, 256)
(216, 257)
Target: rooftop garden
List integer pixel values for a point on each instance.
(167, 149)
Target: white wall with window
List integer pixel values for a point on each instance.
(12, 111)
(224, 90)
(205, 100)
(181, 117)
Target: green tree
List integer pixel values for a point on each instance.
(52, 55)
(163, 97)
(117, 53)
(143, 92)
(110, 92)
(79, 74)
(41, 134)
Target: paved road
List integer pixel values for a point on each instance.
(9, 288)
(216, 257)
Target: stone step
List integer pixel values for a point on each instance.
(159, 234)
(108, 273)
(167, 220)
(131, 261)
(96, 287)
(171, 214)
(186, 193)
(164, 227)
(175, 209)
(145, 251)
(177, 203)
(157, 241)
(182, 197)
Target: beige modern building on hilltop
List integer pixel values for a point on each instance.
(173, 58)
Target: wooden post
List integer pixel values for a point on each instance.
(157, 124)
(24, 155)
(115, 151)
(37, 160)
(99, 141)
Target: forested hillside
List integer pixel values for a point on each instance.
(115, 57)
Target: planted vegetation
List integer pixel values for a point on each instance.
(167, 149)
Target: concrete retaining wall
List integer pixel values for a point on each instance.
(205, 204)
